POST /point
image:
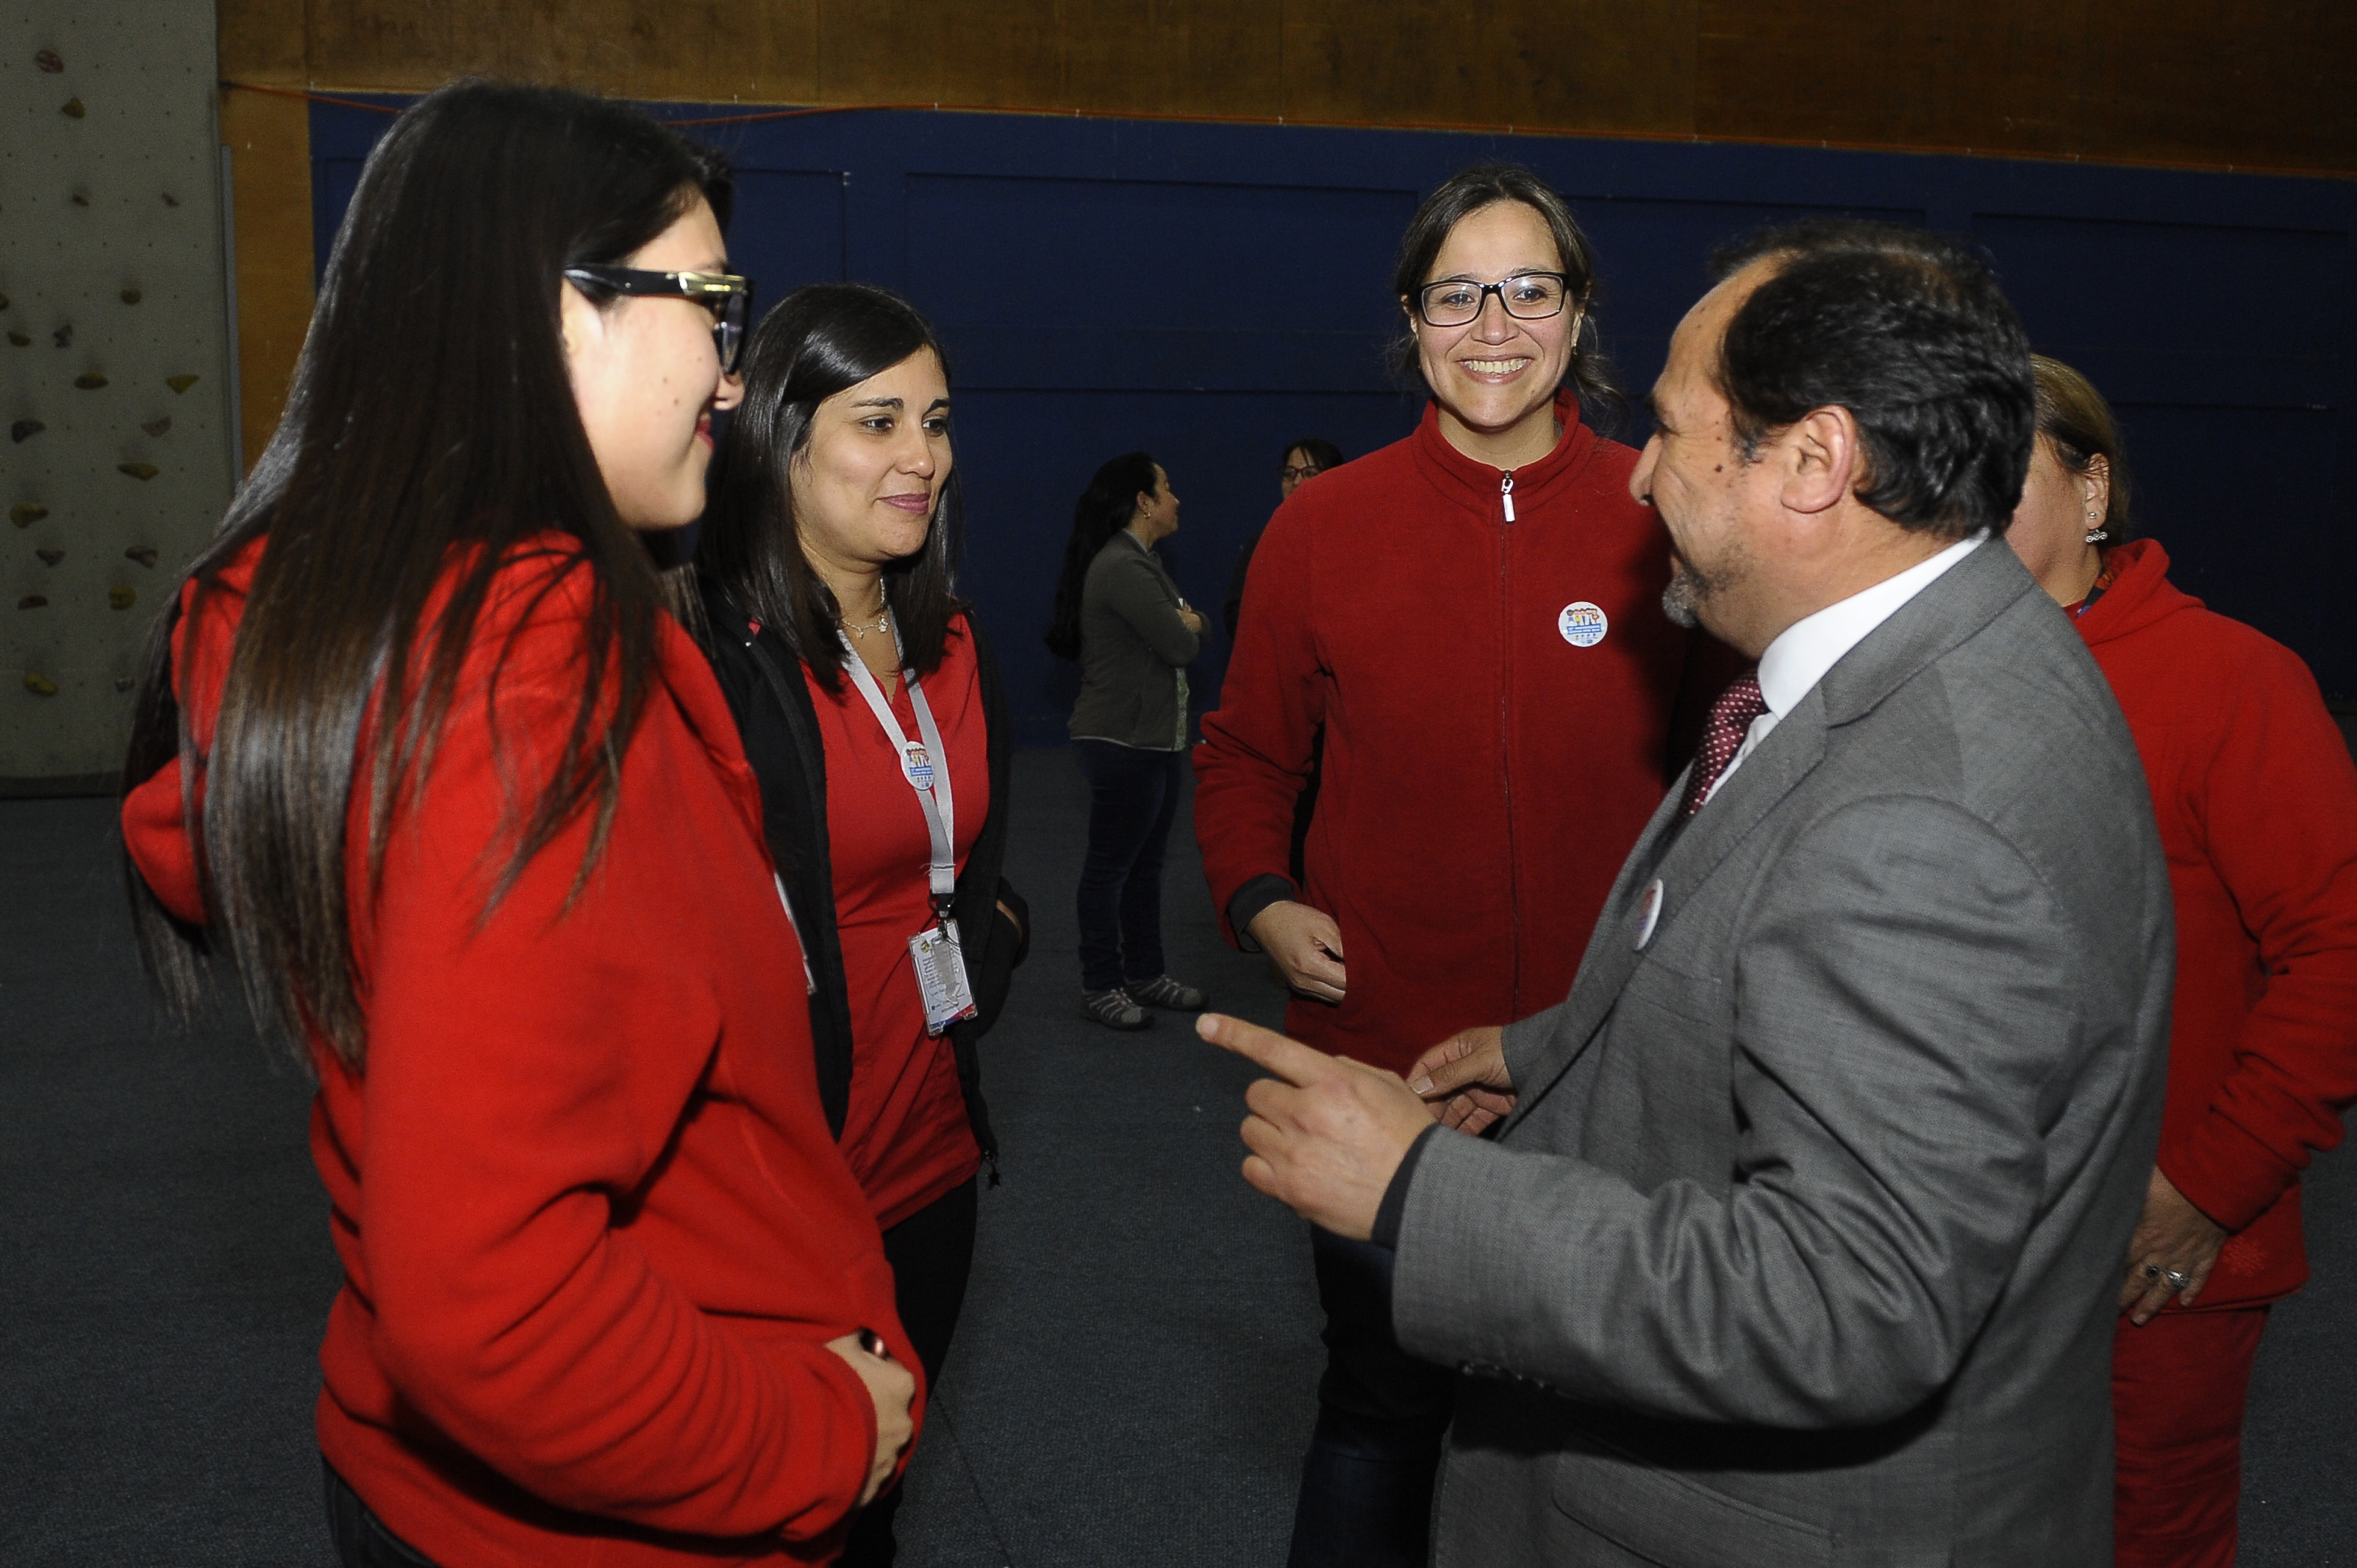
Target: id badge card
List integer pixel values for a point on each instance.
(941, 976)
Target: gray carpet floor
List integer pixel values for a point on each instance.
(1131, 1384)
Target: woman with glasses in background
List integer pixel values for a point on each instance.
(1304, 459)
(871, 712)
(1471, 620)
(420, 750)
(2257, 801)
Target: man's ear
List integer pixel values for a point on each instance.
(1823, 459)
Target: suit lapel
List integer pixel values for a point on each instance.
(1681, 853)
(1964, 599)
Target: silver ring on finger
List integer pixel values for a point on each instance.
(2176, 1281)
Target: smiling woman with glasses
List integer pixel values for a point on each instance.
(421, 755)
(1459, 639)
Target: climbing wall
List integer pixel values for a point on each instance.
(115, 371)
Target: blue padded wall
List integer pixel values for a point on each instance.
(1209, 292)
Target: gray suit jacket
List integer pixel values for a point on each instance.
(1802, 1243)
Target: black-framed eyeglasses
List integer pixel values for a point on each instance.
(1308, 471)
(1526, 297)
(727, 295)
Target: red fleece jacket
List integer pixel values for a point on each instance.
(1488, 758)
(2258, 804)
(594, 1231)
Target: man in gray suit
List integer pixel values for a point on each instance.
(1802, 1238)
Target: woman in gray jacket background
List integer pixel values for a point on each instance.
(1119, 614)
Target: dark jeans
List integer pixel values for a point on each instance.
(1132, 799)
(931, 1252)
(1366, 1485)
(362, 1539)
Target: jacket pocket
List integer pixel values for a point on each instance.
(1666, 1517)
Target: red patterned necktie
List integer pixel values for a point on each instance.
(1722, 737)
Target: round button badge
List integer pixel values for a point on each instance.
(1582, 624)
(1648, 914)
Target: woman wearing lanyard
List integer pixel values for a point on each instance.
(871, 714)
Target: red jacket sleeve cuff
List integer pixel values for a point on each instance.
(2224, 1172)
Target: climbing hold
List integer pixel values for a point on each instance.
(48, 62)
(138, 471)
(26, 429)
(50, 558)
(22, 339)
(40, 685)
(157, 426)
(32, 602)
(3, 302)
(142, 553)
(24, 514)
(180, 383)
(90, 380)
(170, 200)
(130, 297)
(73, 109)
(123, 682)
(81, 198)
(63, 336)
(122, 598)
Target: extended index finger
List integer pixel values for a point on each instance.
(1289, 1060)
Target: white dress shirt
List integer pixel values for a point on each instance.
(1806, 649)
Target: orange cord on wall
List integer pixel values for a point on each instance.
(1689, 138)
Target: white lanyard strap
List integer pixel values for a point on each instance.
(925, 763)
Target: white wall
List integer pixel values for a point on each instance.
(110, 226)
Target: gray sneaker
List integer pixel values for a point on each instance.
(1114, 1009)
(1164, 992)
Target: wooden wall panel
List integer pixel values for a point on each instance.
(2006, 73)
(262, 40)
(2262, 85)
(905, 51)
(2253, 83)
(2157, 80)
(269, 138)
(1201, 58)
(704, 50)
(1532, 64)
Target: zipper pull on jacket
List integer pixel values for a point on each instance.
(1506, 492)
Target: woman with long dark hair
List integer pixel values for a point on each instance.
(871, 712)
(1118, 611)
(421, 753)
(1464, 630)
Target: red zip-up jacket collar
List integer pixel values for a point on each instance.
(1468, 481)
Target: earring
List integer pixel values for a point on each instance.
(2095, 533)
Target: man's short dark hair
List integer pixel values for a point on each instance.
(1912, 334)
